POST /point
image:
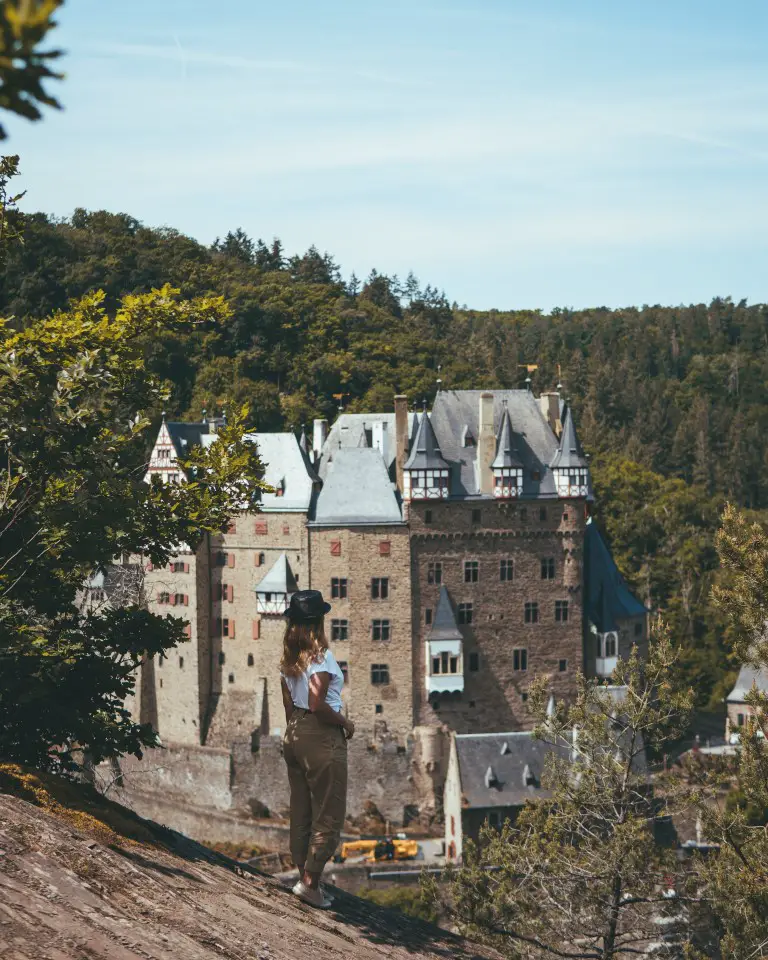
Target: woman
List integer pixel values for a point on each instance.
(315, 743)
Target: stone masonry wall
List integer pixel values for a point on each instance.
(245, 662)
(174, 689)
(381, 773)
(495, 693)
(381, 711)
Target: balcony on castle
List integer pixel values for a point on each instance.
(445, 683)
(507, 482)
(272, 604)
(607, 653)
(425, 484)
(572, 482)
(445, 667)
(274, 592)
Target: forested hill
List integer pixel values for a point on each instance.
(662, 394)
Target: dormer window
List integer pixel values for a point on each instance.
(467, 440)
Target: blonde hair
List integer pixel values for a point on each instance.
(303, 643)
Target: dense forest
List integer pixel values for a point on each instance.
(670, 400)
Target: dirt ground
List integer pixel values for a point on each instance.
(73, 887)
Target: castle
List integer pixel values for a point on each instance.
(457, 550)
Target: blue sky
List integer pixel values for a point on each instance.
(515, 154)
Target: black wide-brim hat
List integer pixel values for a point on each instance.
(306, 605)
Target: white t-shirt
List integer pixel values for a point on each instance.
(299, 686)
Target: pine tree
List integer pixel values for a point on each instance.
(579, 874)
(736, 877)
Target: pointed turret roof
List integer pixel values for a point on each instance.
(506, 449)
(444, 624)
(425, 450)
(569, 452)
(280, 578)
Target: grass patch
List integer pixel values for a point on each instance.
(78, 805)
(407, 900)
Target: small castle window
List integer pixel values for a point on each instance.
(548, 568)
(231, 678)
(520, 659)
(563, 666)
(474, 662)
(471, 571)
(221, 659)
(339, 630)
(379, 708)
(384, 548)
(542, 513)
(381, 630)
(379, 674)
(250, 659)
(338, 588)
(466, 613)
(435, 572)
(561, 611)
(476, 516)
(506, 569)
(531, 612)
(427, 516)
(380, 588)
(428, 616)
(181, 663)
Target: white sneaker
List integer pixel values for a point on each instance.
(315, 898)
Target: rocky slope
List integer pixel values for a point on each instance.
(82, 879)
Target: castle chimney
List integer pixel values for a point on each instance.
(380, 439)
(319, 436)
(550, 407)
(486, 444)
(401, 436)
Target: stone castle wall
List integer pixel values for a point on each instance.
(380, 711)
(495, 693)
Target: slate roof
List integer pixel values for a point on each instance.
(444, 623)
(357, 490)
(507, 755)
(608, 598)
(186, 435)
(506, 444)
(454, 411)
(747, 676)
(569, 452)
(425, 450)
(347, 430)
(285, 465)
(279, 579)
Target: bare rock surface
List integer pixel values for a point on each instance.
(72, 890)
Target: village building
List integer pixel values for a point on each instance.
(738, 710)
(490, 778)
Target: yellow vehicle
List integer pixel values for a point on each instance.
(373, 851)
